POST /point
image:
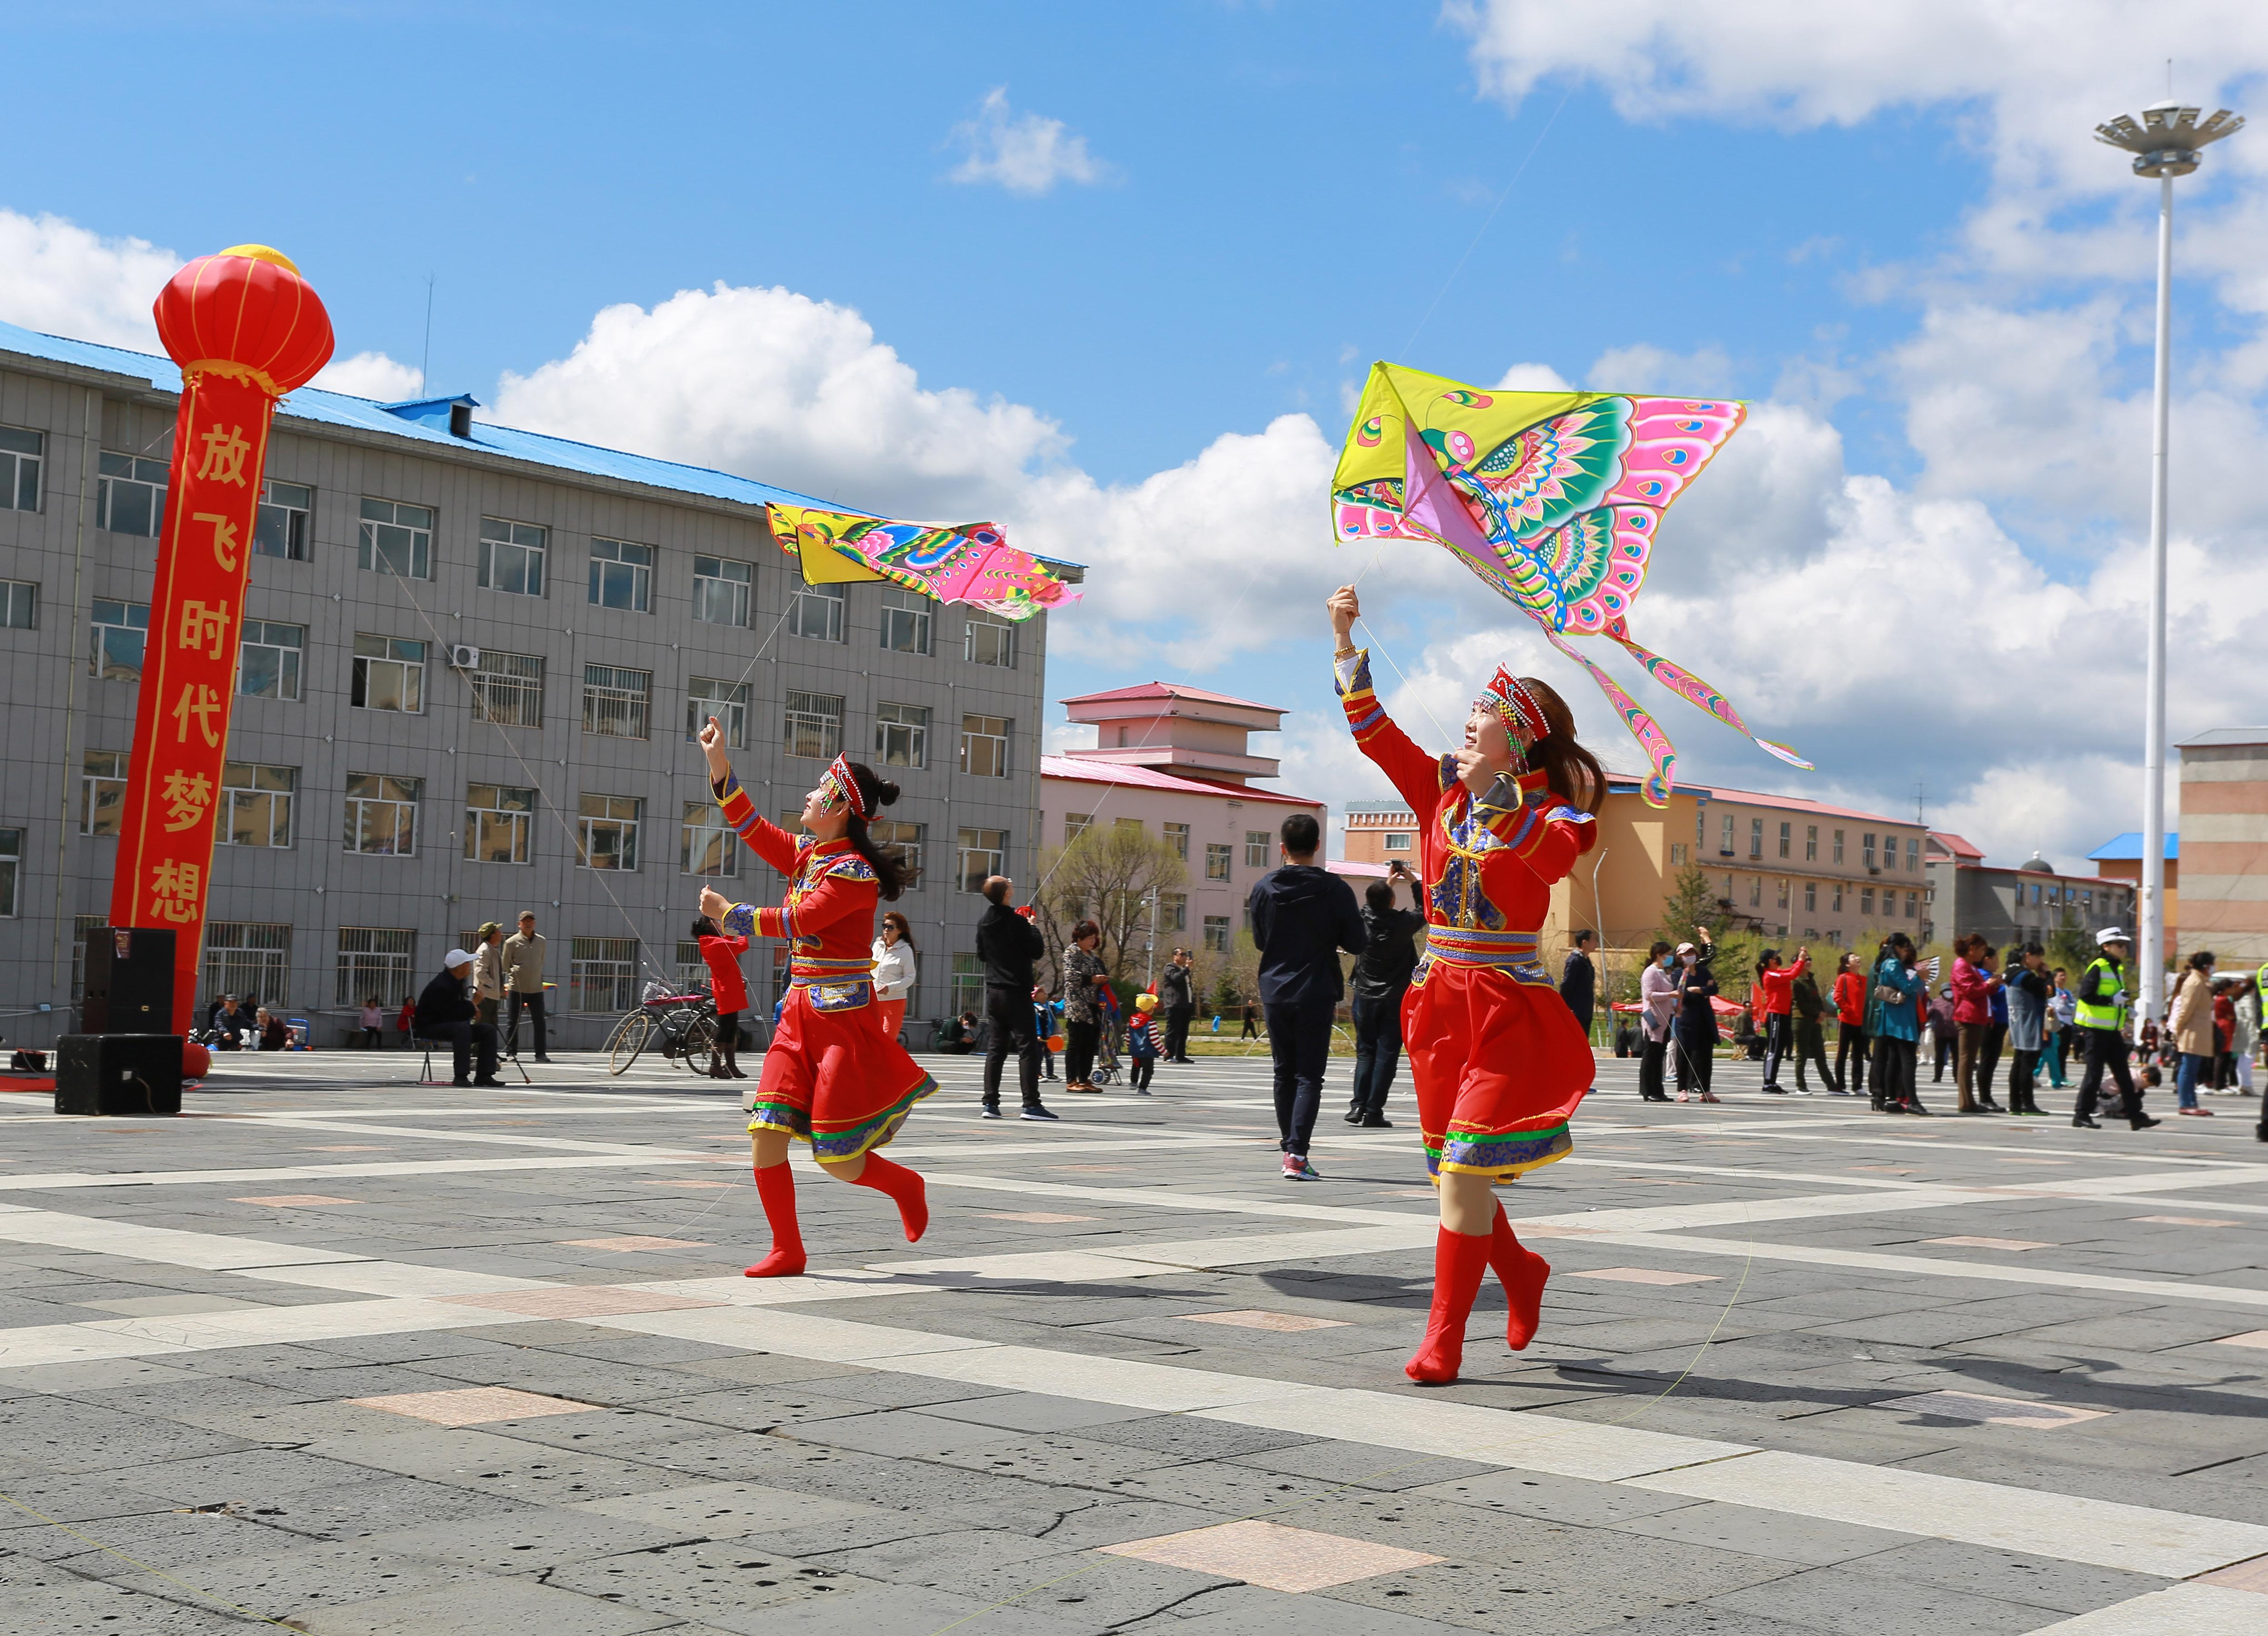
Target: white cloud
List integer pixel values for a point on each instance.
(371, 375)
(57, 277)
(1025, 153)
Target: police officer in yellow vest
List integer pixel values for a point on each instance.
(2102, 1014)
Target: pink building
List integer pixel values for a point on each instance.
(1174, 760)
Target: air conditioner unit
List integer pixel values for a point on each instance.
(462, 656)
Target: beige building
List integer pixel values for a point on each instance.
(2225, 837)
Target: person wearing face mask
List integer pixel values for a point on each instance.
(1657, 999)
(1497, 1061)
(1698, 1033)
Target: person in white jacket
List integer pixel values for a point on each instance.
(893, 973)
(1656, 993)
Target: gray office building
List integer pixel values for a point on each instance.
(472, 661)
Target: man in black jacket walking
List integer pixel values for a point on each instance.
(1007, 942)
(1381, 977)
(1302, 916)
(1179, 1000)
(444, 1013)
(1579, 980)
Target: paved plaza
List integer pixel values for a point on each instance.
(354, 1355)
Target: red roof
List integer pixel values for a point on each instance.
(1959, 848)
(1149, 778)
(1167, 690)
(1797, 803)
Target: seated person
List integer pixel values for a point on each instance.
(227, 1024)
(444, 1012)
(959, 1035)
(274, 1034)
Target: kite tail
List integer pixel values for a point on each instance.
(1699, 693)
(1651, 739)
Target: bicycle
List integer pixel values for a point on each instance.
(684, 1024)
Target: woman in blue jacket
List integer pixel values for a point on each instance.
(1895, 1025)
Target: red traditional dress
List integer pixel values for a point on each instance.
(1498, 1060)
(832, 1076)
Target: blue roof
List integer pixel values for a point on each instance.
(336, 408)
(2127, 848)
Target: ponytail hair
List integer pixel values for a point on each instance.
(876, 793)
(1571, 771)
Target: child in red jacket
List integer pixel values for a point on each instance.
(722, 954)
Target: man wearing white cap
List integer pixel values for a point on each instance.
(2102, 996)
(444, 1012)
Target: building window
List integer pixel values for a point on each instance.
(813, 725)
(129, 495)
(622, 576)
(389, 673)
(984, 746)
(1177, 837)
(908, 838)
(721, 589)
(1677, 854)
(1838, 904)
(692, 970)
(968, 984)
(1787, 836)
(1866, 848)
(726, 701)
(1782, 893)
(1075, 825)
(902, 735)
(374, 960)
(382, 814)
(280, 530)
(248, 960)
(255, 804)
(981, 853)
(20, 604)
(1725, 842)
(268, 659)
(512, 555)
(1756, 891)
(508, 689)
(607, 831)
(1867, 900)
(1811, 843)
(816, 611)
(116, 634)
(1216, 860)
(20, 452)
(499, 824)
(101, 792)
(1810, 896)
(1913, 854)
(1216, 933)
(905, 621)
(1256, 849)
(396, 539)
(614, 701)
(1173, 912)
(990, 641)
(1838, 846)
(704, 842)
(602, 973)
(1398, 841)
(1755, 837)
(11, 862)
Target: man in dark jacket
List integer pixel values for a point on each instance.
(1381, 976)
(444, 1013)
(1007, 942)
(1302, 916)
(1579, 980)
(1178, 999)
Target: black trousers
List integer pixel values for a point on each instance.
(1650, 1059)
(1811, 1047)
(1009, 1011)
(1988, 1058)
(1080, 1041)
(2106, 1049)
(1250, 1032)
(1776, 1032)
(1851, 1055)
(2022, 1064)
(1377, 1052)
(1139, 1074)
(1695, 1060)
(1177, 1032)
(466, 1038)
(1895, 1063)
(514, 1000)
(1299, 1046)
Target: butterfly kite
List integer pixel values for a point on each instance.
(1553, 497)
(968, 563)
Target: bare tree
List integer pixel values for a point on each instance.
(1107, 874)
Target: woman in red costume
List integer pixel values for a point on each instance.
(1497, 1059)
(832, 1078)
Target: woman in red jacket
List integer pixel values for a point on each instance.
(1973, 983)
(1773, 1002)
(722, 954)
(1850, 1035)
(831, 1078)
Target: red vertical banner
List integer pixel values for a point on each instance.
(246, 328)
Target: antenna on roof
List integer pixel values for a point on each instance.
(1921, 791)
(426, 357)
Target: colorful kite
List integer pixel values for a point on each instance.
(1551, 497)
(949, 562)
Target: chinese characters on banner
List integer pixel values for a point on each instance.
(246, 328)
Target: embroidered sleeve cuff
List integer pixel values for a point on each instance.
(1352, 672)
(740, 919)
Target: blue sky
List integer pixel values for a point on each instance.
(1883, 225)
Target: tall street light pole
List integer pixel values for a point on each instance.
(2165, 143)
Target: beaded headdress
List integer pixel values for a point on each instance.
(846, 785)
(1522, 713)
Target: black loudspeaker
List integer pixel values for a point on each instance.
(129, 981)
(118, 1073)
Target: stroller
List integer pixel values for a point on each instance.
(1107, 1039)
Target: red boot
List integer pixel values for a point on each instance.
(906, 1189)
(776, 1186)
(1458, 1260)
(1521, 1272)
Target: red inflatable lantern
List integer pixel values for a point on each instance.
(246, 328)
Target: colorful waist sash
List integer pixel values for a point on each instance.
(1512, 953)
